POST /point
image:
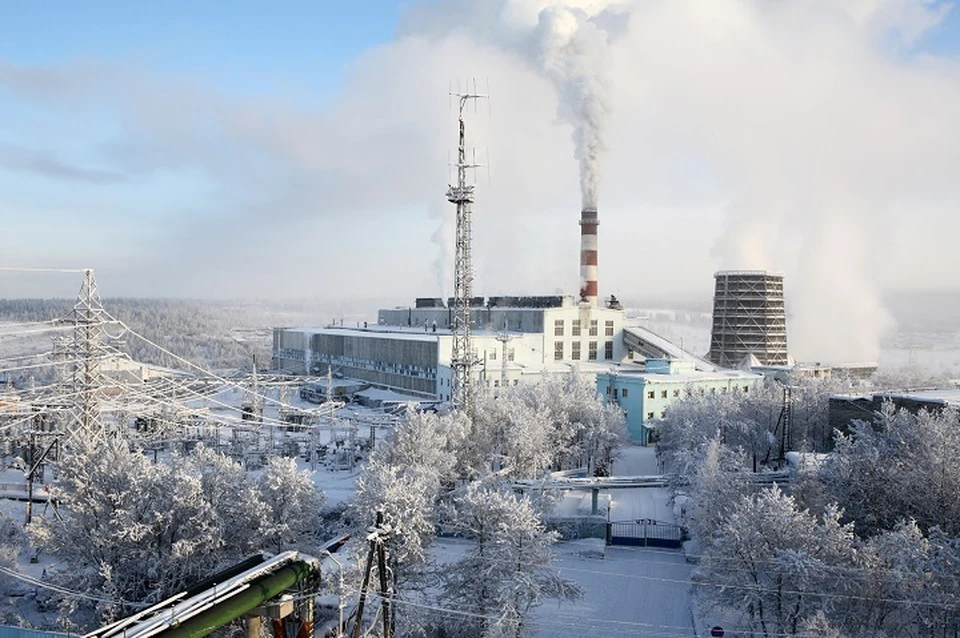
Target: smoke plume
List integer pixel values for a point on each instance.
(570, 50)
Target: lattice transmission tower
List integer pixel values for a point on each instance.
(84, 350)
(462, 195)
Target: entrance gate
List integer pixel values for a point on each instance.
(645, 532)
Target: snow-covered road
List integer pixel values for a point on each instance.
(630, 592)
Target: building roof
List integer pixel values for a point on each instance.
(943, 396)
(377, 332)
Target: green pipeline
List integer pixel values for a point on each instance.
(256, 594)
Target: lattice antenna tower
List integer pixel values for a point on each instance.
(461, 194)
(504, 338)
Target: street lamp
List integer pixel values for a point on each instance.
(340, 605)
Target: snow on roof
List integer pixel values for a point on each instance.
(944, 396)
(376, 332)
(688, 377)
(388, 395)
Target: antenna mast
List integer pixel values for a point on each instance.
(462, 194)
(504, 338)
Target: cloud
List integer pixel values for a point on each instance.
(793, 136)
(45, 164)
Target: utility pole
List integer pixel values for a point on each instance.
(36, 463)
(377, 536)
(462, 195)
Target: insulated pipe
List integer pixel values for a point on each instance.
(588, 256)
(256, 594)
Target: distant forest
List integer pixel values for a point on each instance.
(213, 334)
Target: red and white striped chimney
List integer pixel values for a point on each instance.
(588, 255)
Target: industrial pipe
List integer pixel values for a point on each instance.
(256, 594)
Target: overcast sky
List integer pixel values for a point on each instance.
(301, 148)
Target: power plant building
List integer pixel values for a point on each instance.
(516, 340)
(749, 320)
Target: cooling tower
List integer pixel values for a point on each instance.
(748, 318)
(588, 256)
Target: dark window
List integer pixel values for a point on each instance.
(593, 327)
(575, 352)
(608, 328)
(608, 351)
(575, 327)
(651, 394)
(625, 392)
(558, 327)
(649, 415)
(558, 351)
(663, 394)
(592, 351)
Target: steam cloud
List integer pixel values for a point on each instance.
(737, 88)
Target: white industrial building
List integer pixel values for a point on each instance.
(516, 340)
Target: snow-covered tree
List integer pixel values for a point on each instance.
(403, 479)
(819, 625)
(134, 530)
(560, 423)
(776, 563)
(903, 466)
(12, 541)
(293, 505)
(509, 567)
(714, 490)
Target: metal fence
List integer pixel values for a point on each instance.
(576, 527)
(7, 631)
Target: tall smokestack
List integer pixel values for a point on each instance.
(588, 255)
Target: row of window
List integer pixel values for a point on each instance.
(496, 382)
(575, 350)
(493, 355)
(558, 328)
(652, 394)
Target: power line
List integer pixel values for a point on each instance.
(67, 592)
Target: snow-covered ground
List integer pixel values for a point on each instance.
(626, 591)
(636, 460)
(629, 592)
